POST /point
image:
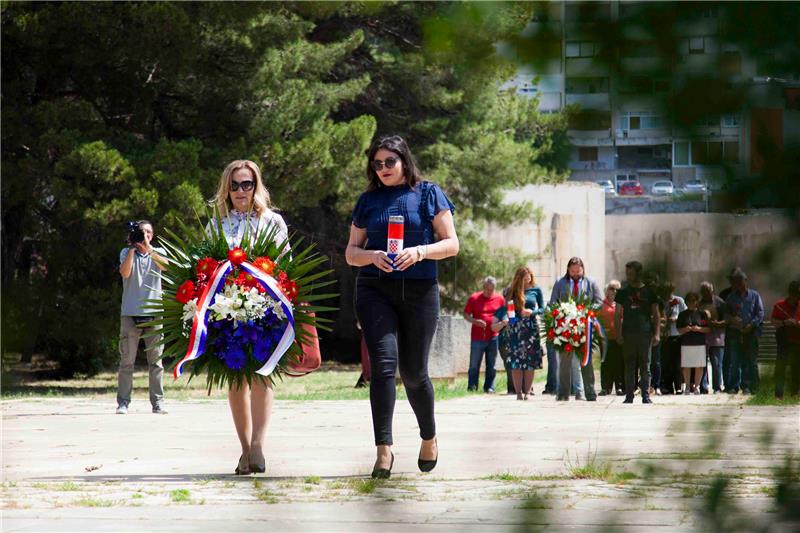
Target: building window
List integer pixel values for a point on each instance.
(640, 121)
(731, 150)
(730, 120)
(581, 49)
(705, 152)
(731, 63)
(697, 45)
(589, 120)
(587, 153)
(699, 154)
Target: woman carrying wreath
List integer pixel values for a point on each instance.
(243, 204)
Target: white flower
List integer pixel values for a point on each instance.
(189, 309)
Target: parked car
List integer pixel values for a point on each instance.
(608, 187)
(630, 188)
(662, 188)
(694, 186)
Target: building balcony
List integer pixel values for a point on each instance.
(642, 64)
(590, 137)
(585, 66)
(590, 101)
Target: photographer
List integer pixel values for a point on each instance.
(140, 264)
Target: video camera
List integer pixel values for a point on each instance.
(135, 233)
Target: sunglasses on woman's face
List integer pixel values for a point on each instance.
(245, 185)
(377, 165)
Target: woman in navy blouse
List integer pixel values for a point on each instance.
(397, 301)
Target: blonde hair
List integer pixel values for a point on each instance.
(517, 290)
(222, 200)
(613, 284)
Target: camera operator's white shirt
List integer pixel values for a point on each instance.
(143, 284)
(235, 224)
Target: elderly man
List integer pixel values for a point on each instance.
(479, 311)
(744, 327)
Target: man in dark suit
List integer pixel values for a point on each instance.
(575, 285)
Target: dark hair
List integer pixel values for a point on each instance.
(692, 296)
(396, 144)
(669, 287)
(574, 261)
(794, 288)
(636, 265)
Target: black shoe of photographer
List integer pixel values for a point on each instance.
(158, 410)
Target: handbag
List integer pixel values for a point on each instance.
(311, 357)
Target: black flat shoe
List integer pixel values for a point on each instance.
(428, 465)
(383, 473)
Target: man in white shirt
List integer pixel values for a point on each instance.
(140, 266)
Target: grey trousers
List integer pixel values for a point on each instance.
(636, 350)
(129, 336)
(565, 378)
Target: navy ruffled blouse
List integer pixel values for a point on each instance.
(418, 206)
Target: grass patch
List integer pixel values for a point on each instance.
(620, 478)
(180, 495)
(92, 502)
(257, 484)
(312, 480)
(592, 470)
(267, 496)
(693, 491)
(68, 486)
(766, 390)
(332, 382)
(504, 476)
(688, 456)
(364, 486)
(137, 495)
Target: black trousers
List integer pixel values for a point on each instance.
(612, 370)
(636, 351)
(671, 377)
(398, 318)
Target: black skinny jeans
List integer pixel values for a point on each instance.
(398, 318)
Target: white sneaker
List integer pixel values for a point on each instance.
(122, 410)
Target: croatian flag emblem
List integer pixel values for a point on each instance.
(394, 237)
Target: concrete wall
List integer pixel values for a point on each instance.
(573, 224)
(694, 247)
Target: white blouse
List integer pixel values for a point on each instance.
(235, 223)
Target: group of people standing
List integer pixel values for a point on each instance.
(520, 338)
(652, 340)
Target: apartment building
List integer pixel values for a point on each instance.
(625, 96)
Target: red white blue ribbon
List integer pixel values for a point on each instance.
(199, 332)
(587, 348)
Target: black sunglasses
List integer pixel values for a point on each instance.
(245, 185)
(389, 162)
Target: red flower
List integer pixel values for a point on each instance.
(579, 307)
(555, 312)
(576, 337)
(568, 348)
(206, 266)
(185, 292)
(237, 256)
(265, 263)
(592, 314)
(551, 334)
(288, 287)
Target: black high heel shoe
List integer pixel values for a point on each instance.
(243, 468)
(258, 468)
(383, 473)
(426, 465)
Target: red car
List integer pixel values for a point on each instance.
(630, 188)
